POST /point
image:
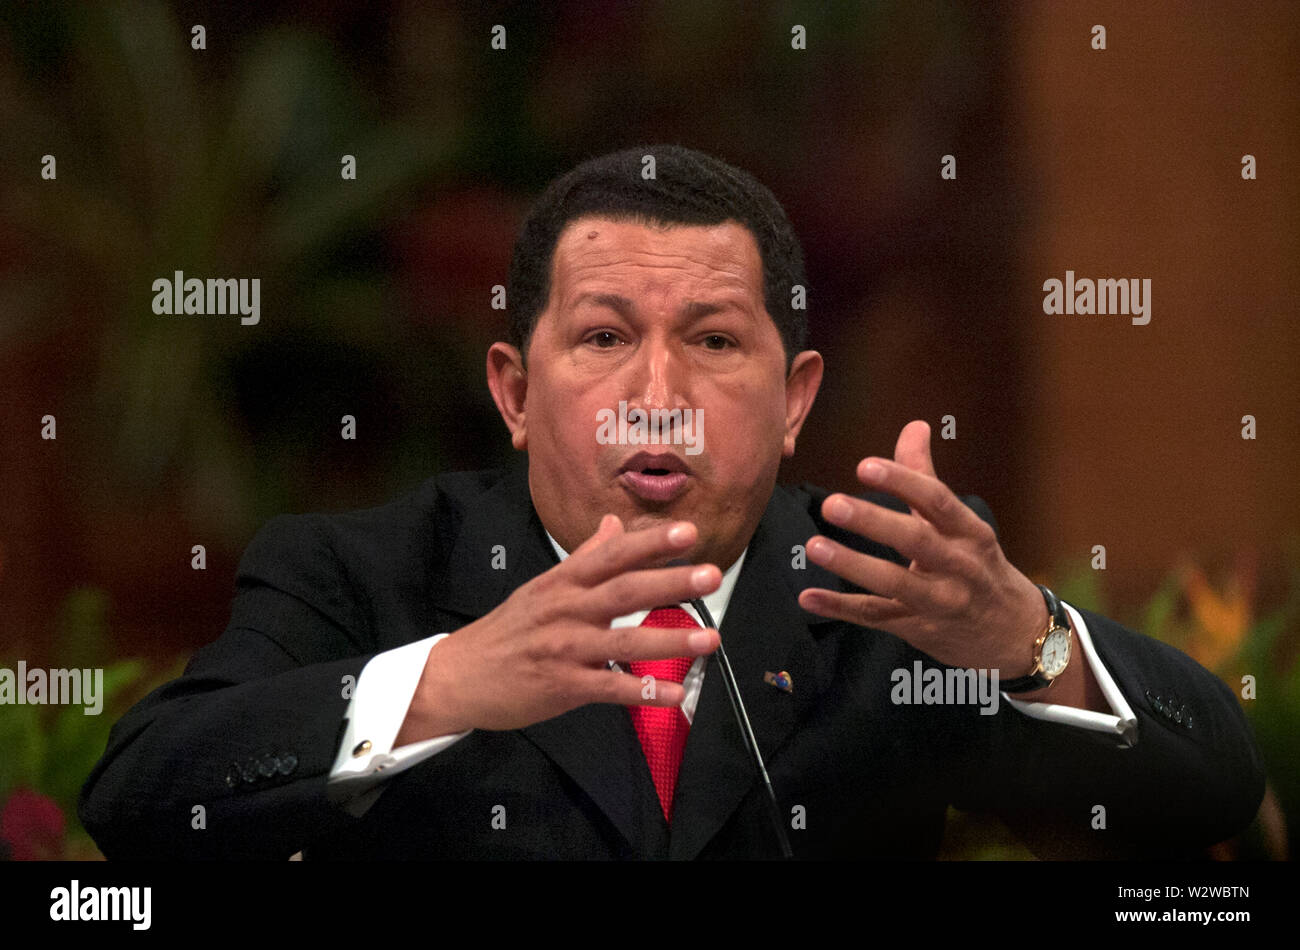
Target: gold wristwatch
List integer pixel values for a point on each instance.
(1051, 650)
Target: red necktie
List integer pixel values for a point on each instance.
(663, 729)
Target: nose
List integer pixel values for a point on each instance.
(659, 376)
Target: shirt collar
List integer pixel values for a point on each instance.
(716, 602)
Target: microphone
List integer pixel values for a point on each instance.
(742, 720)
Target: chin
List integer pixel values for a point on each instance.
(637, 520)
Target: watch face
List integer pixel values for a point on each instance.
(1056, 652)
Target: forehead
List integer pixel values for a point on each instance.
(646, 258)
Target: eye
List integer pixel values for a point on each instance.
(604, 339)
(716, 341)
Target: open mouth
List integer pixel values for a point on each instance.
(657, 477)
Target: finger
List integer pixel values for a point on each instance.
(646, 589)
(865, 610)
(924, 494)
(872, 573)
(913, 537)
(610, 526)
(629, 550)
(626, 689)
(913, 448)
(627, 644)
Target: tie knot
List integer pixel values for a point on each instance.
(672, 616)
(674, 669)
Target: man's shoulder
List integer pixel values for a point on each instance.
(425, 519)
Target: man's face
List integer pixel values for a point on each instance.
(659, 319)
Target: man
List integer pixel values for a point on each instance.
(576, 709)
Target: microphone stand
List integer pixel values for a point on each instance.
(746, 731)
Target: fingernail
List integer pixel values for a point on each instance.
(699, 640)
(840, 510)
(679, 532)
(874, 472)
(702, 578)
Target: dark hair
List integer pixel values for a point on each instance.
(689, 188)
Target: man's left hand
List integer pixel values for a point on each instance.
(960, 601)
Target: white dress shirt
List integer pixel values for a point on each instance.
(387, 684)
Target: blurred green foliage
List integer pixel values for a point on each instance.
(51, 749)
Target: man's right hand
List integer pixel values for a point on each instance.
(545, 650)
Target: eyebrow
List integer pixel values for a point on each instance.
(692, 310)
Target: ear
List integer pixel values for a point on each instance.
(800, 390)
(508, 381)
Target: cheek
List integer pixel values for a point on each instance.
(746, 440)
(752, 418)
(572, 420)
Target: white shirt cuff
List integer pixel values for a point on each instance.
(375, 714)
(1123, 723)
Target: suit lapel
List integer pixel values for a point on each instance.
(764, 631)
(595, 745)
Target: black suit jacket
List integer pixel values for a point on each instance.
(251, 730)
